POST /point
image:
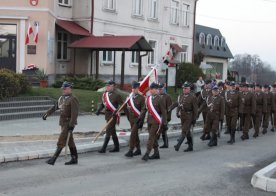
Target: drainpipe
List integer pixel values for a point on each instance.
(193, 53)
(92, 16)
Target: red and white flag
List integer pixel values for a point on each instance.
(150, 78)
(36, 33)
(29, 32)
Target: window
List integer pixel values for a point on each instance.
(107, 55)
(151, 56)
(202, 39)
(216, 41)
(184, 55)
(62, 43)
(64, 2)
(223, 42)
(175, 12)
(109, 4)
(137, 7)
(153, 9)
(134, 58)
(185, 15)
(209, 40)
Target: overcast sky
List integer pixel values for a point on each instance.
(249, 26)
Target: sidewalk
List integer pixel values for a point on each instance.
(27, 150)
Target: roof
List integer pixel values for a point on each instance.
(72, 27)
(219, 52)
(118, 43)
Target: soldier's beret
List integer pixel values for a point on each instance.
(208, 81)
(215, 88)
(154, 86)
(258, 85)
(220, 84)
(186, 85)
(135, 84)
(232, 83)
(161, 85)
(66, 84)
(266, 86)
(110, 82)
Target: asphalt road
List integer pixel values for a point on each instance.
(223, 170)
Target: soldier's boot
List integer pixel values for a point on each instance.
(116, 144)
(137, 151)
(208, 137)
(227, 131)
(129, 153)
(146, 156)
(202, 137)
(213, 141)
(190, 145)
(232, 137)
(165, 140)
(256, 134)
(180, 141)
(53, 159)
(264, 131)
(245, 136)
(106, 140)
(74, 157)
(155, 154)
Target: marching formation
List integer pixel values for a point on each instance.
(241, 106)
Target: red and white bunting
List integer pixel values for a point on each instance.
(110, 106)
(29, 32)
(153, 111)
(36, 33)
(133, 108)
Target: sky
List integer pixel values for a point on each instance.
(249, 26)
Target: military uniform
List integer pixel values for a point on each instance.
(232, 102)
(69, 110)
(153, 125)
(168, 102)
(273, 108)
(133, 113)
(261, 108)
(204, 109)
(215, 114)
(114, 99)
(187, 111)
(247, 110)
(267, 115)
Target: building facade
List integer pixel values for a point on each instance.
(211, 44)
(167, 25)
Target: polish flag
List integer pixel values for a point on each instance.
(150, 78)
(36, 33)
(29, 32)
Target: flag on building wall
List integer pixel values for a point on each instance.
(29, 32)
(169, 58)
(36, 32)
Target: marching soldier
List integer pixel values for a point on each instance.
(187, 111)
(273, 107)
(215, 104)
(228, 88)
(232, 100)
(261, 108)
(69, 110)
(134, 106)
(168, 102)
(203, 107)
(267, 115)
(111, 101)
(247, 109)
(157, 117)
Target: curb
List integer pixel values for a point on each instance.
(84, 145)
(261, 179)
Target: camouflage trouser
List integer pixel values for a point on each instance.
(63, 137)
(153, 137)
